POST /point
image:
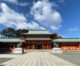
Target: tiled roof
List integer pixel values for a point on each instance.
(67, 40)
(38, 39)
(37, 32)
(11, 40)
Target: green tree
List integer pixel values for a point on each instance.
(20, 31)
(4, 32)
(56, 36)
(11, 32)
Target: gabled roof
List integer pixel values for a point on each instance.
(67, 40)
(38, 39)
(11, 40)
(37, 32)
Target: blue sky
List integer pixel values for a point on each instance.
(57, 16)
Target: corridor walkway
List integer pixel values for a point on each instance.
(37, 59)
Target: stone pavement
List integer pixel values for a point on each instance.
(70, 56)
(37, 59)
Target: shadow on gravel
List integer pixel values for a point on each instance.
(5, 52)
(2, 60)
(1, 65)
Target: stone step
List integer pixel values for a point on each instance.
(38, 50)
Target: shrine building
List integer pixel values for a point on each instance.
(39, 39)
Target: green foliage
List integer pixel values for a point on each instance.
(11, 32)
(4, 32)
(56, 36)
(18, 32)
(59, 36)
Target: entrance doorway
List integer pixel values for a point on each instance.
(38, 47)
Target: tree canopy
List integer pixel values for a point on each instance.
(11, 32)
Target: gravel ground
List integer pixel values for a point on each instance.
(71, 56)
(2, 60)
(37, 59)
(4, 57)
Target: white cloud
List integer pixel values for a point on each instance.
(23, 4)
(73, 29)
(10, 18)
(64, 36)
(12, 1)
(55, 27)
(45, 13)
(35, 26)
(17, 3)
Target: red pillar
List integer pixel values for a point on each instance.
(47, 44)
(33, 44)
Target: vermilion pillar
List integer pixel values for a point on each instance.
(47, 44)
(33, 44)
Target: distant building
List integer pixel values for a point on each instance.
(39, 39)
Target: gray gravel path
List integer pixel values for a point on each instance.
(71, 56)
(2, 60)
(37, 59)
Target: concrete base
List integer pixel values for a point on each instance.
(18, 51)
(57, 50)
